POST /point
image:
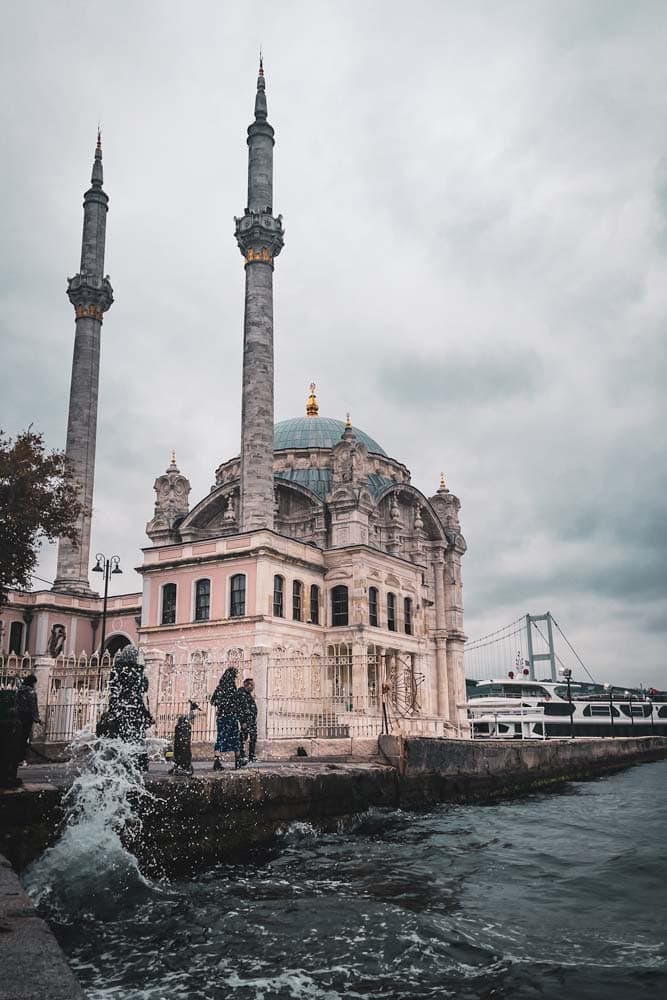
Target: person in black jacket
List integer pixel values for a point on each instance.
(248, 717)
(225, 698)
(27, 711)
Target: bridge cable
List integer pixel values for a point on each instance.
(573, 649)
(497, 632)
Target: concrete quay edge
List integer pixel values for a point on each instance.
(33, 965)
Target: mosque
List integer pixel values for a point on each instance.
(313, 545)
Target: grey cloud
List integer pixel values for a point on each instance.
(459, 379)
(474, 198)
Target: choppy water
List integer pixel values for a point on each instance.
(550, 896)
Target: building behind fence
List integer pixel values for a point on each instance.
(323, 697)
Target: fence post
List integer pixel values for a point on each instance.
(153, 662)
(260, 675)
(42, 667)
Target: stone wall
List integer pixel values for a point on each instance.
(33, 966)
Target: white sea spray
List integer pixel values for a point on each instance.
(90, 863)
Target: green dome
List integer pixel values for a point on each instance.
(316, 432)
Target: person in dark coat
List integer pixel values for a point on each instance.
(248, 717)
(27, 712)
(127, 717)
(225, 698)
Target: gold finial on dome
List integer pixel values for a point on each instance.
(173, 456)
(442, 481)
(348, 422)
(312, 406)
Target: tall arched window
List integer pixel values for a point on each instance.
(16, 630)
(202, 600)
(315, 604)
(391, 612)
(339, 606)
(278, 597)
(237, 596)
(407, 615)
(168, 604)
(297, 601)
(373, 606)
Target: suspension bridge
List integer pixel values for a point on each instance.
(532, 645)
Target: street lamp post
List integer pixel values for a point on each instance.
(611, 708)
(104, 565)
(567, 673)
(628, 695)
(650, 704)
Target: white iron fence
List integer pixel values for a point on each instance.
(325, 697)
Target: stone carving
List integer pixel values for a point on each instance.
(171, 504)
(57, 640)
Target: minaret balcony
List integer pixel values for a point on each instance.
(259, 231)
(90, 294)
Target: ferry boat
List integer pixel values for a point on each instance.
(520, 708)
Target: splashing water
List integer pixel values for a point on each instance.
(90, 865)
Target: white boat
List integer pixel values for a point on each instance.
(520, 708)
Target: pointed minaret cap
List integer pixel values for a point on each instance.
(312, 406)
(260, 99)
(97, 177)
(442, 488)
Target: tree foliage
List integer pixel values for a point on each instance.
(39, 499)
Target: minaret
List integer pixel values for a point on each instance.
(91, 295)
(260, 238)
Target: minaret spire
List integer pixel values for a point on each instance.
(91, 294)
(260, 239)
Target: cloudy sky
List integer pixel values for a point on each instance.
(475, 203)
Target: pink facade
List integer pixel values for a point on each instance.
(28, 620)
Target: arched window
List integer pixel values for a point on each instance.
(169, 604)
(373, 606)
(315, 605)
(278, 593)
(237, 596)
(391, 612)
(297, 600)
(339, 606)
(407, 615)
(16, 630)
(202, 600)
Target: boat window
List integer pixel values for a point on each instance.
(662, 712)
(599, 710)
(557, 708)
(638, 711)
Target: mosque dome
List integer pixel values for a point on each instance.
(316, 432)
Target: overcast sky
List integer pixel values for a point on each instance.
(475, 266)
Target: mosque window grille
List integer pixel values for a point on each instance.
(279, 596)
(168, 616)
(202, 600)
(339, 606)
(297, 601)
(373, 598)
(391, 612)
(314, 605)
(237, 596)
(16, 631)
(407, 615)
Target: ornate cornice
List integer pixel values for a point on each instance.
(259, 236)
(90, 295)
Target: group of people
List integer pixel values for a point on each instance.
(127, 716)
(236, 710)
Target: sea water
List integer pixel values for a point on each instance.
(558, 895)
